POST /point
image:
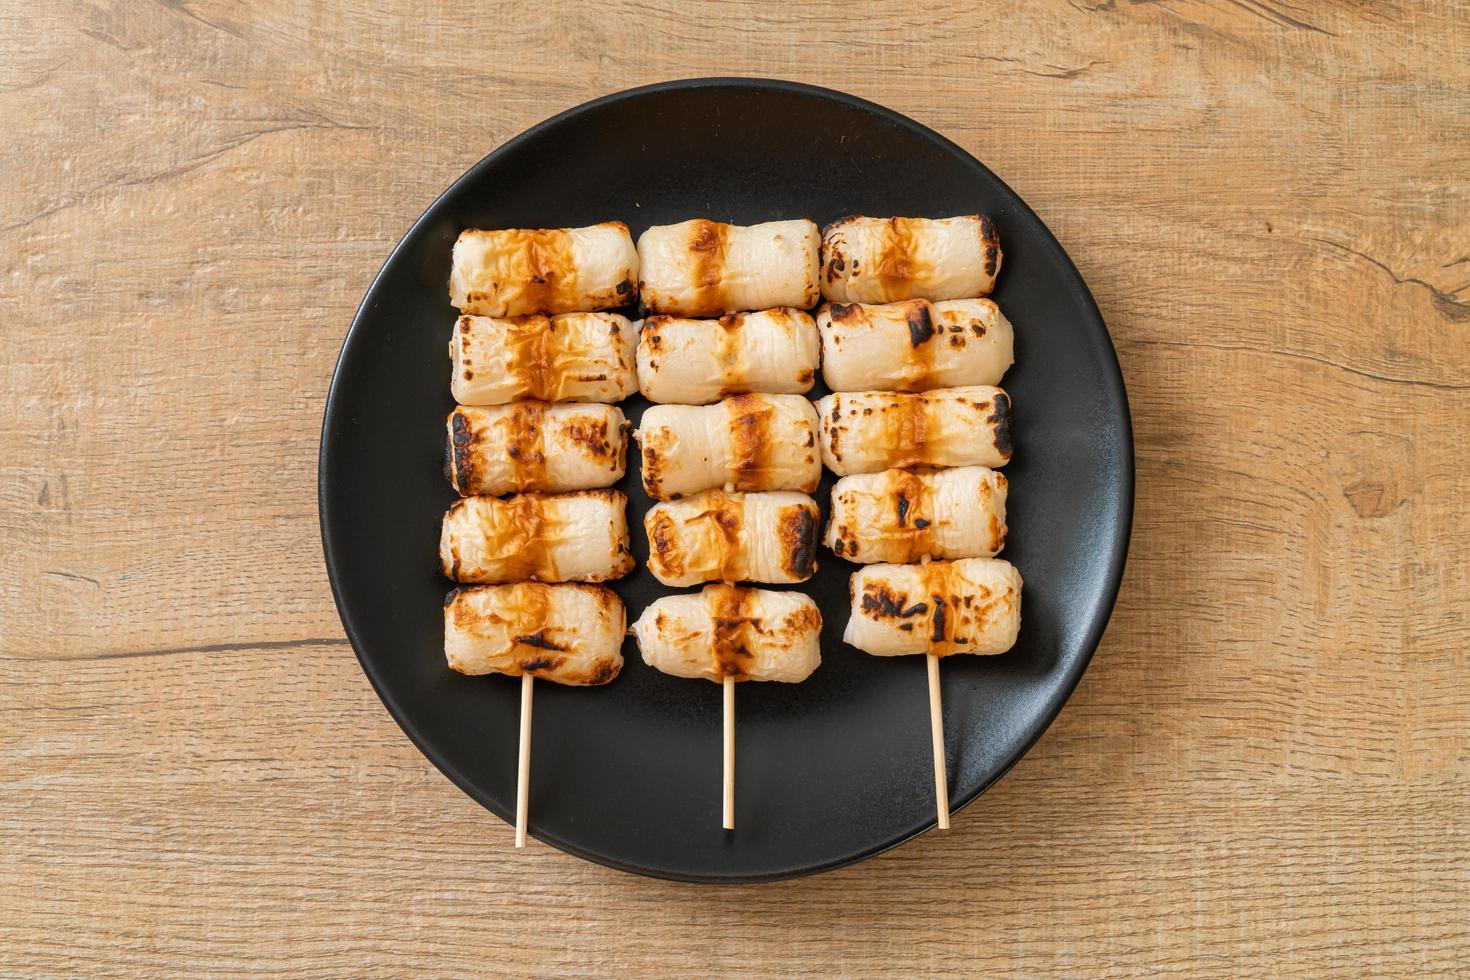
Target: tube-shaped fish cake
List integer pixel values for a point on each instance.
(749, 442)
(571, 357)
(881, 260)
(570, 634)
(694, 362)
(570, 537)
(730, 537)
(535, 446)
(904, 515)
(968, 606)
(914, 345)
(864, 432)
(514, 271)
(732, 631)
(705, 268)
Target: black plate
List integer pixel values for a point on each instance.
(829, 771)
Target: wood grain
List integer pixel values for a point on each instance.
(1267, 768)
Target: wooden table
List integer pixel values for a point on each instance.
(1267, 768)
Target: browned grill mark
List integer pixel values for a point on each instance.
(531, 631)
(919, 317)
(899, 264)
(538, 639)
(728, 515)
(990, 238)
(907, 435)
(663, 541)
(531, 620)
(727, 331)
(652, 470)
(797, 533)
(832, 226)
(533, 357)
(919, 498)
(523, 430)
(932, 612)
(882, 603)
(606, 598)
(918, 538)
(516, 526)
(535, 664)
(541, 258)
(920, 323)
(1000, 419)
(832, 432)
(729, 608)
(461, 454)
(806, 619)
(650, 336)
(604, 672)
(939, 620)
(833, 261)
(706, 247)
(592, 434)
(535, 648)
(749, 418)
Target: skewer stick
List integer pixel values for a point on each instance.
(936, 727)
(729, 685)
(523, 769)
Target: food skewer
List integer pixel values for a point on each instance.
(567, 633)
(523, 765)
(937, 608)
(527, 341)
(936, 732)
(732, 633)
(728, 795)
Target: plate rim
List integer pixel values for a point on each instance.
(1118, 547)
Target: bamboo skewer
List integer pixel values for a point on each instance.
(729, 795)
(523, 769)
(936, 727)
